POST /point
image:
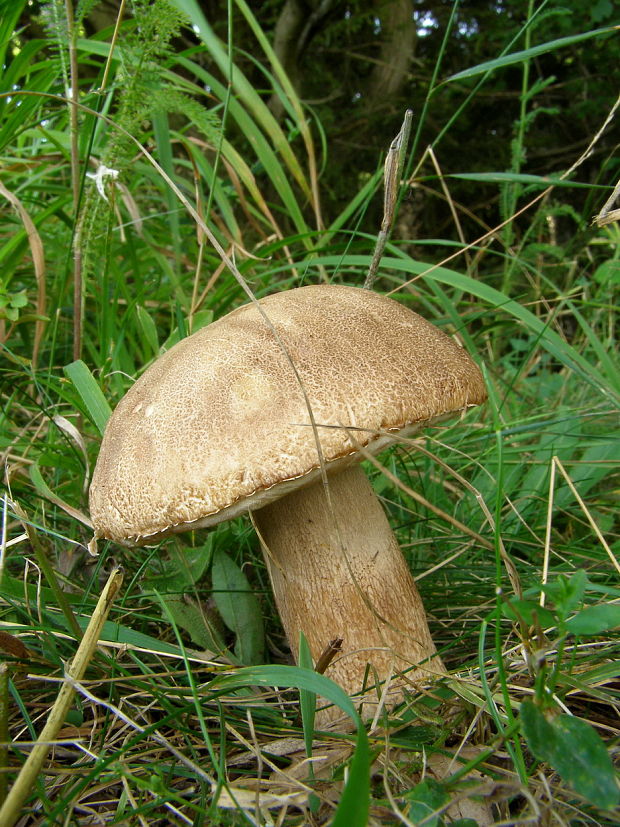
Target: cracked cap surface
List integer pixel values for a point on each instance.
(219, 424)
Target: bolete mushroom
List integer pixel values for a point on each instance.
(220, 425)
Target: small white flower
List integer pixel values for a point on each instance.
(99, 177)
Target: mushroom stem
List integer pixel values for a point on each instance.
(339, 573)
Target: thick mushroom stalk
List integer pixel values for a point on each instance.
(338, 573)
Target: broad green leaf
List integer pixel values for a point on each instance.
(608, 272)
(416, 737)
(532, 613)
(575, 751)
(593, 620)
(526, 54)
(425, 798)
(196, 621)
(90, 393)
(45, 491)
(567, 592)
(201, 319)
(180, 571)
(238, 606)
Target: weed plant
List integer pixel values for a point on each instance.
(146, 189)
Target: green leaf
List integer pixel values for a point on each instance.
(90, 393)
(12, 589)
(19, 300)
(593, 620)
(608, 272)
(575, 751)
(529, 611)
(254, 118)
(201, 319)
(149, 330)
(567, 592)
(238, 606)
(307, 699)
(117, 633)
(526, 54)
(196, 621)
(307, 704)
(518, 178)
(34, 472)
(425, 798)
(9, 19)
(181, 570)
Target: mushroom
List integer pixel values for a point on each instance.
(223, 424)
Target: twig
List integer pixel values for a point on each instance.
(556, 461)
(11, 810)
(607, 215)
(328, 654)
(392, 172)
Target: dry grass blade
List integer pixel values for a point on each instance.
(22, 788)
(38, 260)
(586, 511)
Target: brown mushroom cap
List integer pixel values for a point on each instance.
(219, 425)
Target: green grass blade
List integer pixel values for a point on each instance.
(522, 178)
(307, 705)
(307, 700)
(261, 146)
(11, 13)
(608, 362)
(90, 393)
(149, 329)
(245, 91)
(354, 803)
(526, 54)
(292, 100)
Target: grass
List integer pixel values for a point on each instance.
(507, 518)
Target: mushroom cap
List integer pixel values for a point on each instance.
(220, 424)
